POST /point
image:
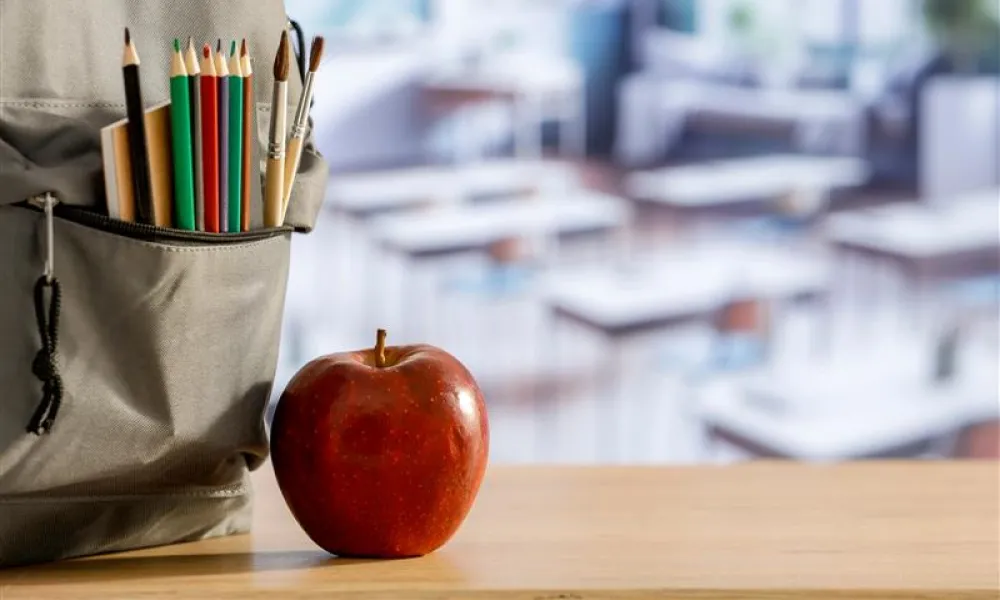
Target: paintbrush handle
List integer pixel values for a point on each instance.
(292, 159)
(274, 186)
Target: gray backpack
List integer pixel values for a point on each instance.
(134, 381)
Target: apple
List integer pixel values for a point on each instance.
(380, 452)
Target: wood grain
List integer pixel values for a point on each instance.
(757, 531)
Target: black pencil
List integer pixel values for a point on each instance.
(136, 132)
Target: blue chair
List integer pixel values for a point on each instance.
(728, 350)
(496, 281)
(975, 292)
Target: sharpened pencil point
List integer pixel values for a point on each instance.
(232, 48)
(206, 51)
(243, 47)
(191, 42)
(218, 45)
(177, 45)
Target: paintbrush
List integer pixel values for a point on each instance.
(301, 121)
(274, 184)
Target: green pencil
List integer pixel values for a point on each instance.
(180, 121)
(235, 139)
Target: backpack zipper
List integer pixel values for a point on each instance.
(144, 232)
(47, 203)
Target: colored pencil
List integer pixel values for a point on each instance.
(180, 135)
(222, 75)
(193, 70)
(137, 131)
(300, 122)
(274, 185)
(235, 140)
(249, 135)
(210, 138)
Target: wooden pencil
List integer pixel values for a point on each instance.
(180, 121)
(274, 185)
(299, 123)
(210, 138)
(249, 135)
(137, 131)
(222, 79)
(193, 70)
(235, 140)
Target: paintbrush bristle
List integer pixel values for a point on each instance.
(281, 59)
(315, 53)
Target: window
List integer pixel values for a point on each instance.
(360, 20)
(884, 23)
(826, 23)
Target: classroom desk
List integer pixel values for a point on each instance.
(360, 199)
(414, 240)
(743, 186)
(537, 88)
(865, 408)
(456, 230)
(772, 531)
(364, 195)
(659, 110)
(681, 286)
(924, 244)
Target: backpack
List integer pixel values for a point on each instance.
(135, 373)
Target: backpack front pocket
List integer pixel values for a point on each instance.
(166, 350)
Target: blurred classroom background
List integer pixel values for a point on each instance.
(669, 231)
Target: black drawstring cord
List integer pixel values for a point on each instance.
(45, 366)
(300, 48)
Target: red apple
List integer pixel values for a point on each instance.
(380, 452)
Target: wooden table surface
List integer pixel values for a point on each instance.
(759, 530)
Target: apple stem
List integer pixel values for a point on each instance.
(380, 348)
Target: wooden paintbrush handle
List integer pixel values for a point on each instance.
(292, 158)
(273, 188)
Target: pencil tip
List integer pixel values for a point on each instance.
(177, 45)
(206, 51)
(191, 42)
(232, 48)
(218, 45)
(128, 37)
(243, 47)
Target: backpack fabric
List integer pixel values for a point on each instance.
(160, 347)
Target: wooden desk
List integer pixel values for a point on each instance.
(758, 531)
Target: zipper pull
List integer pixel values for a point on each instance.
(46, 364)
(47, 202)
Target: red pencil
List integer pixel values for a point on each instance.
(210, 138)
